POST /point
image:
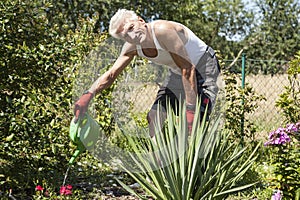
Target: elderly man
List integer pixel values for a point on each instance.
(193, 65)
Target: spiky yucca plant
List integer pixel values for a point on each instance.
(177, 165)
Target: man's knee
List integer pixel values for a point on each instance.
(151, 116)
(156, 118)
(151, 119)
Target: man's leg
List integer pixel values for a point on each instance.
(158, 113)
(155, 120)
(207, 72)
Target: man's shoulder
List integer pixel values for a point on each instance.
(164, 30)
(164, 23)
(129, 49)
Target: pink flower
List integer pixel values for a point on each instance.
(65, 190)
(39, 188)
(276, 195)
(278, 137)
(292, 128)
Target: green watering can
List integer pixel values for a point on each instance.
(84, 134)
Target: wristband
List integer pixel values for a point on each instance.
(190, 107)
(86, 92)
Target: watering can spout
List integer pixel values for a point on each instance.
(74, 156)
(84, 135)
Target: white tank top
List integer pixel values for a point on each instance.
(195, 48)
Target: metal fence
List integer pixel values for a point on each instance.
(266, 77)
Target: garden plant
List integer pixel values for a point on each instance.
(202, 165)
(284, 142)
(44, 48)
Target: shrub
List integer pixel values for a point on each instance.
(284, 142)
(38, 67)
(289, 100)
(286, 159)
(239, 104)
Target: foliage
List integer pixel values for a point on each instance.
(204, 165)
(281, 159)
(286, 159)
(275, 35)
(239, 102)
(289, 100)
(261, 172)
(43, 48)
(38, 66)
(214, 22)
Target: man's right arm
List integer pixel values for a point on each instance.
(105, 80)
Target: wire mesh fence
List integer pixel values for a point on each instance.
(270, 87)
(266, 77)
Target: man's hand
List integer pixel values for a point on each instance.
(82, 104)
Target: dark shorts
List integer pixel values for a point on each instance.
(207, 73)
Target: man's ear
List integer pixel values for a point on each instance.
(141, 19)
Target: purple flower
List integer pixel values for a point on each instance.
(271, 135)
(280, 130)
(278, 137)
(276, 195)
(291, 128)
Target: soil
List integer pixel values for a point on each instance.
(109, 191)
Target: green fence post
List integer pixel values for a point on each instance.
(243, 87)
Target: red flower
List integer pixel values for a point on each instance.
(39, 188)
(65, 190)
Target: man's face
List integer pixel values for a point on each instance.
(132, 31)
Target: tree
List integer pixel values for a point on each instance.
(276, 33)
(216, 22)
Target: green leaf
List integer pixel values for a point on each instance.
(10, 137)
(235, 189)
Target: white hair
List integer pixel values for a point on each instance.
(118, 19)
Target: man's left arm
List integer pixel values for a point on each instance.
(173, 41)
(189, 82)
